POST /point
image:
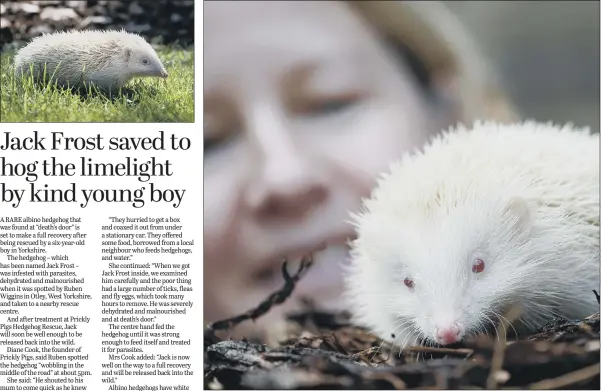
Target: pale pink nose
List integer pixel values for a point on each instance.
(449, 334)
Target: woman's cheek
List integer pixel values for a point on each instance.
(220, 207)
(376, 138)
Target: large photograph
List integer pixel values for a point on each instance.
(401, 194)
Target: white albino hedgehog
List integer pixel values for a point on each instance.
(107, 59)
(481, 220)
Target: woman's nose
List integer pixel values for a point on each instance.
(287, 192)
(288, 182)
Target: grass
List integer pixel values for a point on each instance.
(146, 100)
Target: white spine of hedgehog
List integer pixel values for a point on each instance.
(524, 198)
(107, 59)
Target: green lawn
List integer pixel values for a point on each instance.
(148, 99)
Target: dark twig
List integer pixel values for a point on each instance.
(428, 349)
(496, 363)
(393, 380)
(567, 379)
(275, 298)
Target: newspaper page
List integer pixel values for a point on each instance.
(100, 222)
(99, 254)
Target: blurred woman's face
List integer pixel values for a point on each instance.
(303, 109)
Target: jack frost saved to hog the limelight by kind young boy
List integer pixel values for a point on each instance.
(305, 103)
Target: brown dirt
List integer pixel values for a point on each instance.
(325, 351)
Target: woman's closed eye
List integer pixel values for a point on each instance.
(212, 144)
(217, 137)
(221, 125)
(321, 107)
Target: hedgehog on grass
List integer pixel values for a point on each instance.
(105, 59)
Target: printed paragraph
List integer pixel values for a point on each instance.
(40, 348)
(144, 297)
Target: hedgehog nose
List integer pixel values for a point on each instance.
(449, 334)
(164, 73)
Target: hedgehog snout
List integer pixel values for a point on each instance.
(164, 73)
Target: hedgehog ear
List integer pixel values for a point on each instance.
(127, 53)
(518, 211)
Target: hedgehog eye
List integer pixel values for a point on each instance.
(478, 266)
(408, 283)
(145, 61)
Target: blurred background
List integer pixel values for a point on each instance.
(547, 53)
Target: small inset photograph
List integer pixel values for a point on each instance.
(97, 61)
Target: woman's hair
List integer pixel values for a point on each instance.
(415, 64)
(438, 50)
